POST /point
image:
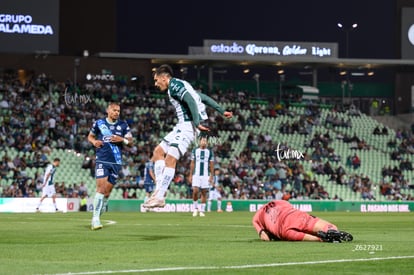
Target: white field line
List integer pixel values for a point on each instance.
(236, 266)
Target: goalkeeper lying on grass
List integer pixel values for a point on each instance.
(279, 220)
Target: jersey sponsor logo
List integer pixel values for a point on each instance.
(106, 138)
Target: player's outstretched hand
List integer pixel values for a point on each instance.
(228, 114)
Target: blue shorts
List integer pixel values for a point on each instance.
(110, 170)
(149, 187)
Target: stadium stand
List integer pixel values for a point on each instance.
(315, 151)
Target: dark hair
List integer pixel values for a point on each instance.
(164, 69)
(203, 135)
(113, 103)
(57, 159)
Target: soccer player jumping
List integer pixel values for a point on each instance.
(190, 107)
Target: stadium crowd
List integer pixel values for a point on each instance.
(40, 115)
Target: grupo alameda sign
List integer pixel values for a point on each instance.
(267, 48)
(22, 24)
(29, 26)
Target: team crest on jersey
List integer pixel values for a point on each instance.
(118, 127)
(111, 127)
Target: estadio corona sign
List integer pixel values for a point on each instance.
(268, 48)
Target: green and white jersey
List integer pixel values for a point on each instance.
(177, 89)
(202, 159)
(50, 170)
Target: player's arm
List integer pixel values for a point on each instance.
(213, 104)
(190, 177)
(211, 173)
(126, 139)
(95, 142)
(264, 234)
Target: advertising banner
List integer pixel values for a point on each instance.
(29, 26)
(291, 50)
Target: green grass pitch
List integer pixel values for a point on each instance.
(177, 243)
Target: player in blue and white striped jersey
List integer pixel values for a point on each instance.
(149, 179)
(108, 135)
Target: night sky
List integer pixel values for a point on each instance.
(170, 27)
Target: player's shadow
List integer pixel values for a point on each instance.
(154, 237)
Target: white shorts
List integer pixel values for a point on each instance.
(181, 136)
(214, 195)
(201, 182)
(49, 190)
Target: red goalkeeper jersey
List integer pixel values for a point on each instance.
(284, 221)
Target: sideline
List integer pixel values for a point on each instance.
(185, 268)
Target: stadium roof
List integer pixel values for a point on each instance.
(349, 63)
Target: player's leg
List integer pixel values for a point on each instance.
(108, 189)
(219, 204)
(209, 200)
(322, 225)
(54, 201)
(102, 173)
(159, 159)
(310, 238)
(203, 200)
(329, 232)
(195, 196)
(159, 155)
(183, 138)
(211, 193)
(41, 199)
(148, 191)
(158, 198)
(217, 197)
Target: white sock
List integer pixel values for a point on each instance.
(218, 204)
(195, 205)
(97, 206)
(159, 166)
(104, 205)
(208, 206)
(202, 207)
(164, 183)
